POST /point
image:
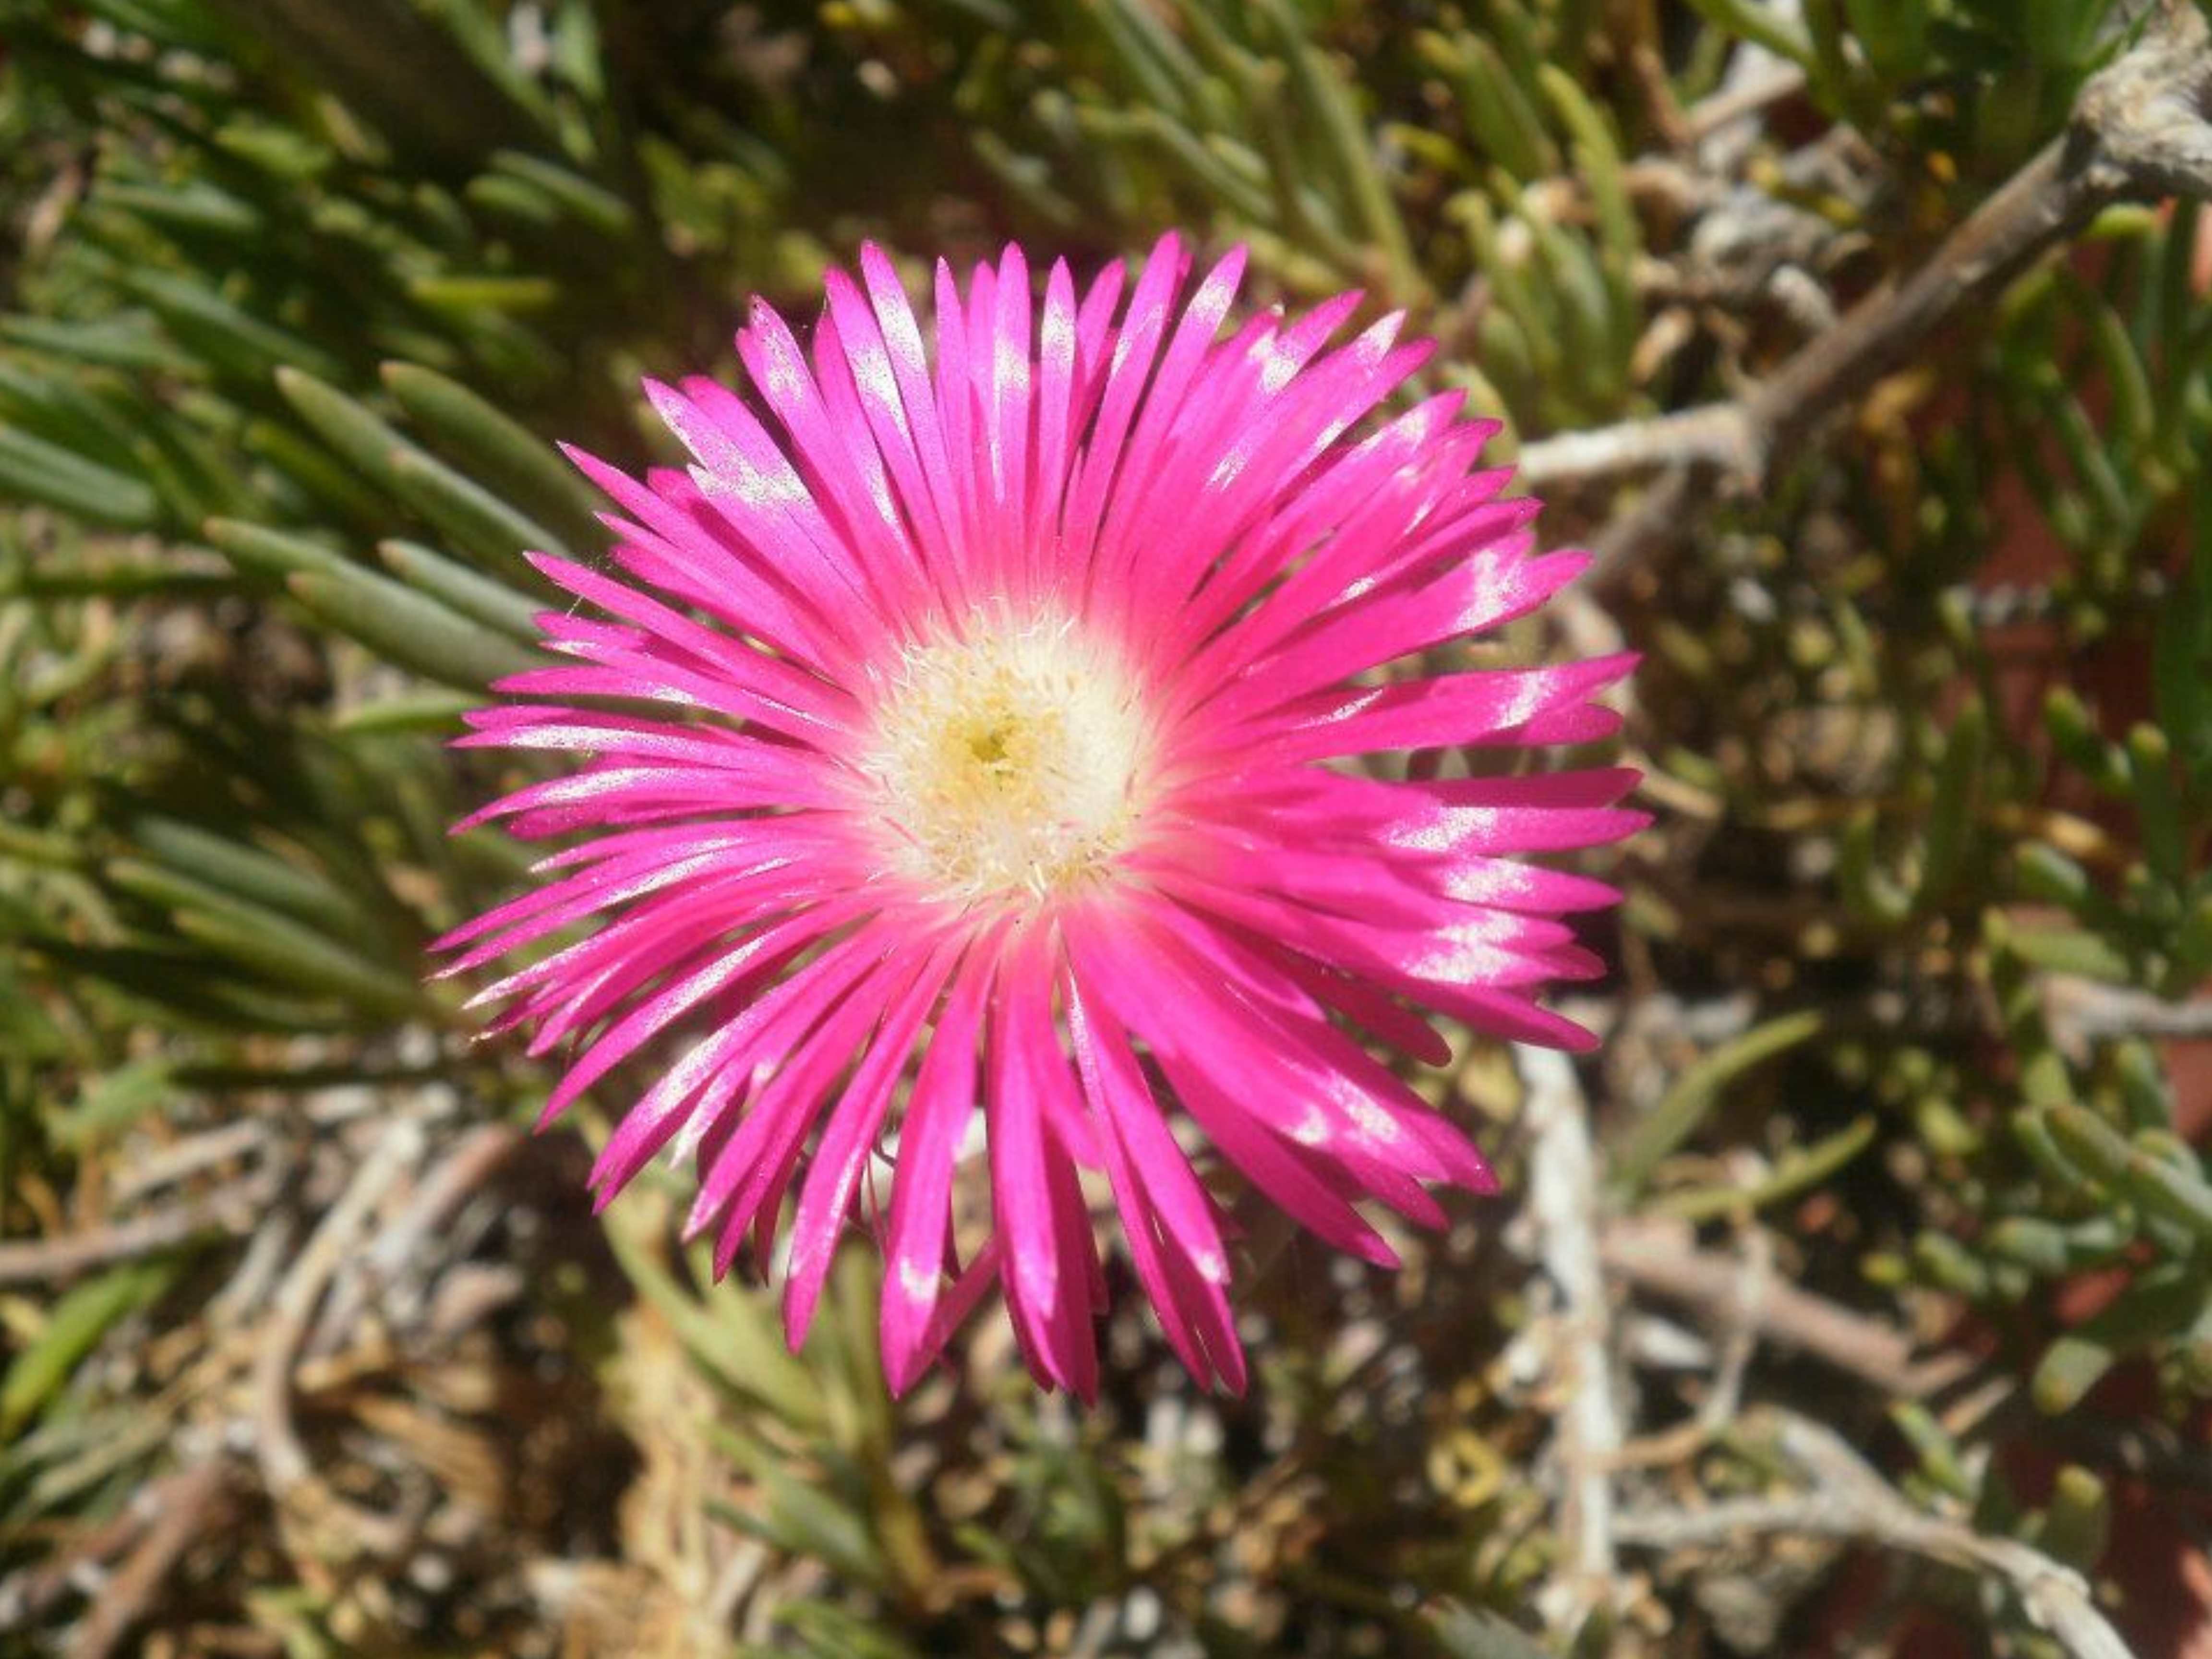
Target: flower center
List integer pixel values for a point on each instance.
(1008, 757)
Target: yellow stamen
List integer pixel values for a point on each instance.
(1008, 758)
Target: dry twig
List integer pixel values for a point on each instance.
(1563, 1200)
(2141, 129)
(474, 1160)
(1659, 1255)
(284, 1464)
(230, 1209)
(1849, 1500)
(180, 1507)
(2081, 1012)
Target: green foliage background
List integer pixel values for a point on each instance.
(298, 293)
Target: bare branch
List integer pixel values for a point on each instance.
(2142, 130)
(2081, 1012)
(181, 1506)
(233, 1209)
(1659, 1255)
(1849, 1500)
(1562, 1200)
(286, 1468)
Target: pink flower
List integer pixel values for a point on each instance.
(1016, 689)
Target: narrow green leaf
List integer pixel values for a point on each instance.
(1538, 356)
(2070, 1368)
(469, 514)
(578, 53)
(364, 439)
(2085, 447)
(2157, 1305)
(520, 201)
(1182, 146)
(299, 958)
(2031, 1128)
(113, 1102)
(1598, 166)
(735, 1337)
(280, 150)
(1577, 287)
(2132, 416)
(2053, 1248)
(2150, 764)
(470, 592)
(582, 202)
(195, 205)
(2071, 950)
(126, 339)
(1938, 1452)
(2181, 671)
(33, 469)
(1950, 1265)
(1870, 892)
(171, 22)
(250, 873)
(2158, 1186)
(75, 1452)
(1465, 1632)
(1699, 1089)
(2048, 874)
(72, 1330)
(493, 449)
(226, 333)
(177, 891)
(407, 715)
(461, 295)
(1832, 68)
(1027, 179)
(58, 408)
(2031, 1242)
(176, 981)
(1951, 813)
(2077, 1525)
(409, 628)
(1330, 102)
(1798, 1170)
(324, 480)
(798, 1516)
(197, 475)
(2147, 1101)
(1156, 60)
(1500, 117)
(273, 553)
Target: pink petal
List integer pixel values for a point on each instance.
(937, 1115)
(846, 1142)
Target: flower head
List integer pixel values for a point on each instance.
(1021, 715)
